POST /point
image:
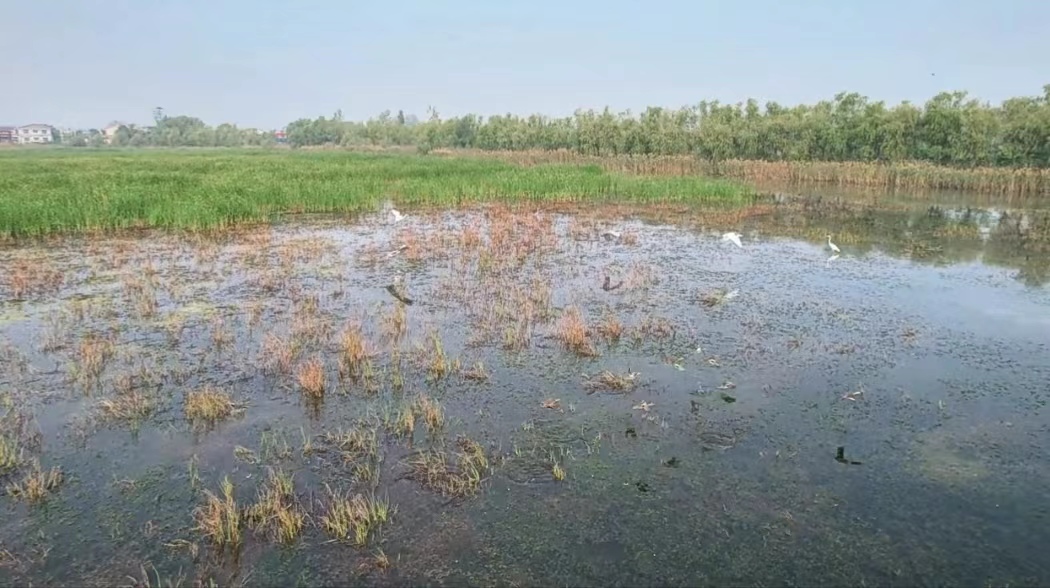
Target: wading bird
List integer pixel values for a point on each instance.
(733, 237)
(833, 246)
(397, 216)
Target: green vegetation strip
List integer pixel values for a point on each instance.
(44, 192)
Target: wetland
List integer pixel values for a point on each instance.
(533, 392)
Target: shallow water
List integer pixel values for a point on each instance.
(920, 351)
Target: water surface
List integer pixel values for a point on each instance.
(920, 351)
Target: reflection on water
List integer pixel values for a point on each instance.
(920, 352)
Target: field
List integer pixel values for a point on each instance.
(544, 374)
(45, 192)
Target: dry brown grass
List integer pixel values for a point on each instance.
(311, 378)
(132, 406)
(92, 354)
(610, 328)
(278, 355)
(432, 469)
(572, 331)
(395, 324)
(221, 337)
(356, 350)
(30, 277)
(208, 404)
(476, 373)
(37, 484)
(910, 176)
(609, 381)
(431, 412)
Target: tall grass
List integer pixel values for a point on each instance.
(57, 191)
(914, 176)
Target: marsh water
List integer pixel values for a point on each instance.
(878, 418)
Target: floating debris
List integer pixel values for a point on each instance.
(396, 292)
(672, 462)
(841, 457)
(856, 395)
(727, 398)
(608, 286)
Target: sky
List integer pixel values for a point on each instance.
(260, 63)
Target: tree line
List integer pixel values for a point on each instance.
(174, 131)
(949, 129)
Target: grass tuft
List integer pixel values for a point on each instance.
(208, 404)
(37, 484)
(276, 511)
(354, 518)
(311, 378)
(219, 519)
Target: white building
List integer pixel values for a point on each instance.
(35, 133)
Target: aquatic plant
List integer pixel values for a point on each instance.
(10, 453)
(208, 404)
(276, 511)
(211, 190)
(572, 331)
(433, 470)
(311, 378)
(37, 484)
(431, 412)
(132, 406)
(354, 518)
(607, 380)
(219, 519)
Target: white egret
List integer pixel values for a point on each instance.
(733, 237)
(397, 216)
(610, 235)
(833, 246)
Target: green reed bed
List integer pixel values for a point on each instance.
(64, 191)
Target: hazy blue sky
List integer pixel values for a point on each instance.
(264, 63)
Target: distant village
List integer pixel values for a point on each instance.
(38, 133)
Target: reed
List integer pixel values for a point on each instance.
(907, 175)
(53, 192)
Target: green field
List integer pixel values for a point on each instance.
(45, 192)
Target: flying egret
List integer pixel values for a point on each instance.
(397, 216)
(734, 237)
(833, 246)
